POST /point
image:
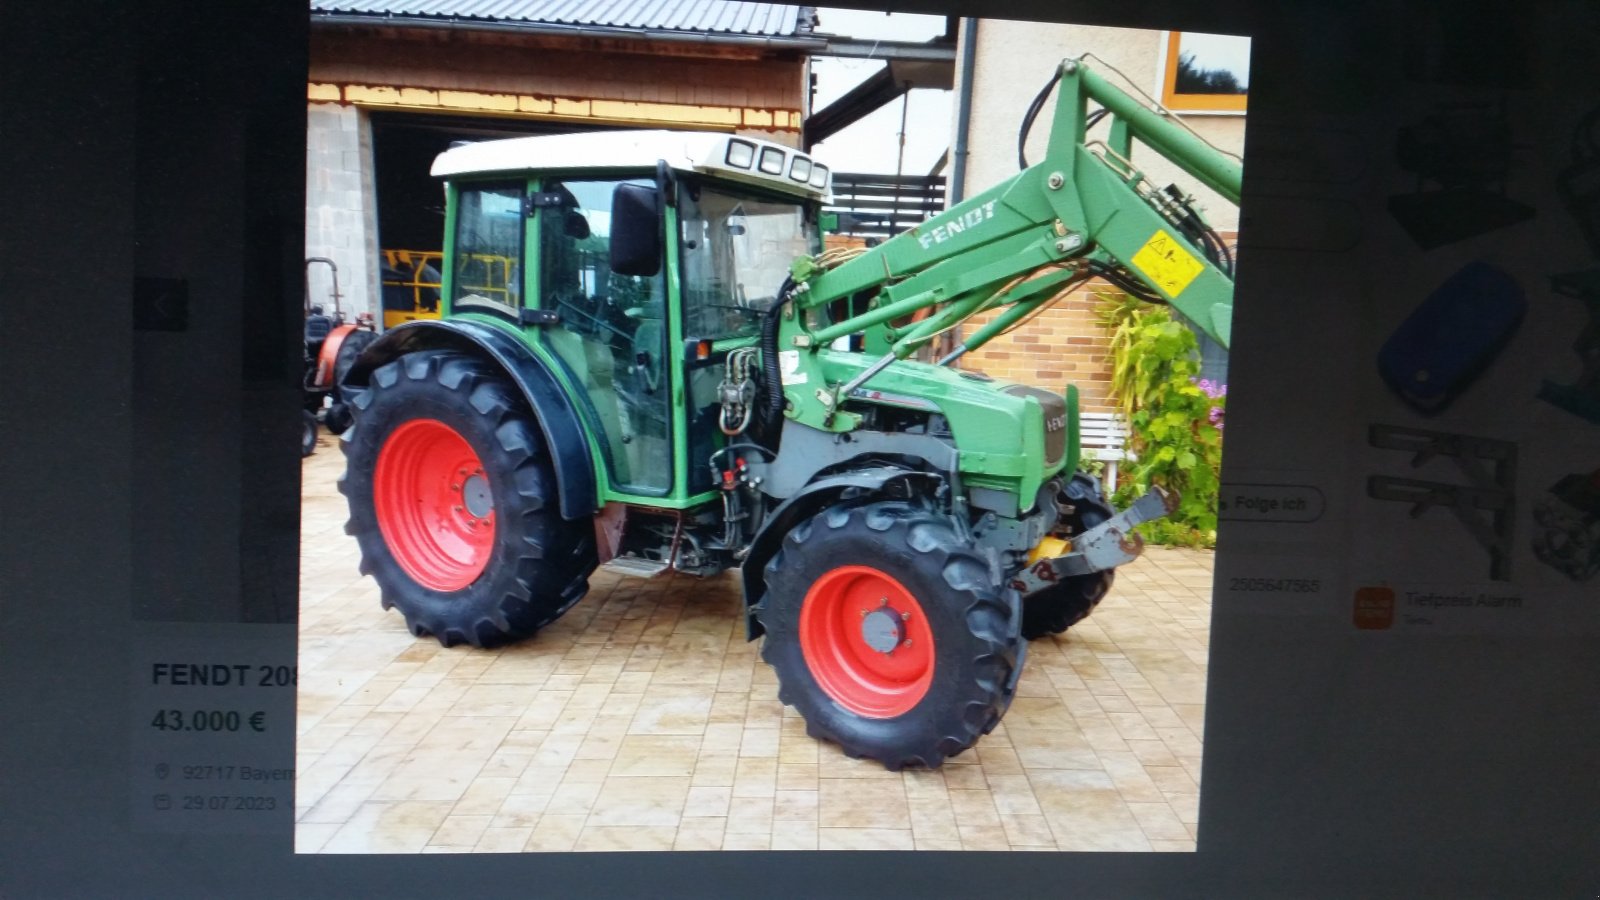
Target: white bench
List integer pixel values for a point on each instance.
(1104, 436)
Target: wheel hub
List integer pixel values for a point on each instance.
(475, 495)
(883, 629)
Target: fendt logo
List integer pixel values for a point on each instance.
(972, 218)
(1055, 423)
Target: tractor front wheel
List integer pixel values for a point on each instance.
(890, 634)
(1070, 600)
(453, 502)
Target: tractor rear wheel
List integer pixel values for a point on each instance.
(453, 502)
(890, 634)
(1069, 601)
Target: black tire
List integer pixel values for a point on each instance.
(349, 351)
(973, 618)
(538, 563)
(337, 418)
(308, 433)
(339, 415)
(1071, 600)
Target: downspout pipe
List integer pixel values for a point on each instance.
(958, 163)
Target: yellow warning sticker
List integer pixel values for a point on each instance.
(1164, 261)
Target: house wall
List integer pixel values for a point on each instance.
(585, 81)
(1014, 59)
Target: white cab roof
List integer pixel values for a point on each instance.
(689, 151)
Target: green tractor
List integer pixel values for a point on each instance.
(645, 363)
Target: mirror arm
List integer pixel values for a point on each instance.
(667, 183)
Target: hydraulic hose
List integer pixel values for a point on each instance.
(772, 376)
(1033, 113)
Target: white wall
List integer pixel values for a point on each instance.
(342, 207)
(1015, 59)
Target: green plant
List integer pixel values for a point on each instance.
(1175, 418)
(1095, 467)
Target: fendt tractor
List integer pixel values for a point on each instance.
(646, 363)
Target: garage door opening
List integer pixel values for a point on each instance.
(410, 201)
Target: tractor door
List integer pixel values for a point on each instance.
(612, 333)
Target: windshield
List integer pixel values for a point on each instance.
(736, 248)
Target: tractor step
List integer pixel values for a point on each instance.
(634, 567)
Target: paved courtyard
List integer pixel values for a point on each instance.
(642, 720)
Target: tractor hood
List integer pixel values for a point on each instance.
(1011, 437)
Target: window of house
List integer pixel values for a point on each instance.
(1206, 72)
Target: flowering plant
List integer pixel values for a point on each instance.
(1176, 418)
(1218, 392)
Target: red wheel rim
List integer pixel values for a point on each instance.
(850, 615)
(433, 504)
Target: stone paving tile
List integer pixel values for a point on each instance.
(642, 720)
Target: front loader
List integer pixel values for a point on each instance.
(645, 363)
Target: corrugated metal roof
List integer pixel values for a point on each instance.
(707, 16)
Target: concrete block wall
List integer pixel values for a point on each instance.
(341, 206)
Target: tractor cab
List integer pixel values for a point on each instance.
(632, 262)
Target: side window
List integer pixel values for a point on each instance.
(613, 332)
(488, 248)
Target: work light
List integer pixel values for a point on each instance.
(741, 154)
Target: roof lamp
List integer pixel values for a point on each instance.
(800, 169)
(771, 160)
(819, 176)
(741, 154)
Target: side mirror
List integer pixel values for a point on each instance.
(636, 230)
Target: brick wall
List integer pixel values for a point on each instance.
(1064, 344)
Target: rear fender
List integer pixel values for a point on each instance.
(564, 433)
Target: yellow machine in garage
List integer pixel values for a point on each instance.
(411, 280)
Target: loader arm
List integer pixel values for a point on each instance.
(1084, 211)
